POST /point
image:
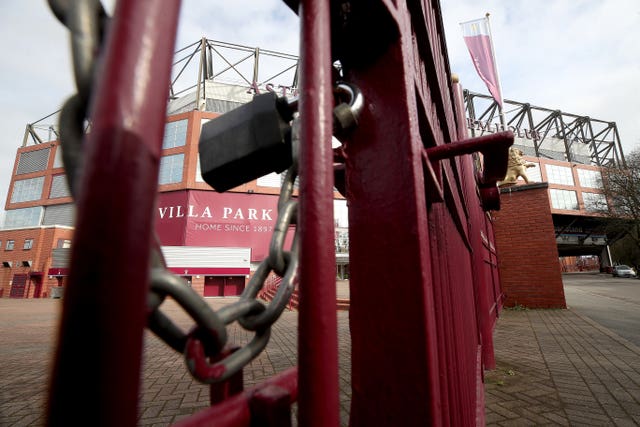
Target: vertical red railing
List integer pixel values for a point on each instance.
(97, 365)
(395, 373)
(318, 341)
(415, 217)
(477, 227)
(414, 351)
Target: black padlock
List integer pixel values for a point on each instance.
(247, 142)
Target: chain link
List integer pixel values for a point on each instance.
(87, 22)
(208, 355)
(205, 346)
(251, 314)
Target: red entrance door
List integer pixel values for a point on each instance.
(223, 286)
(213, 286)
(37, 286)
(233, 286)
(18, 285)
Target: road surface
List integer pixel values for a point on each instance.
(612, 302)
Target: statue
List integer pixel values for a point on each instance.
(516, 167)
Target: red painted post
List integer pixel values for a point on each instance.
(395, 370)
(477, 225)
(97, 365)
(318, 341)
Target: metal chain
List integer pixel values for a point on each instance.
(208, 355)
(205, 348)
(87, 22)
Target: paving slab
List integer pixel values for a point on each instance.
(554, 367)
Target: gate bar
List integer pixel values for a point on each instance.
(318, 341)
(97, 365)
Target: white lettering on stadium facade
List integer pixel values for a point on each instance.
(170, 212)
(269, 87)
(495, 127)
(242, 228)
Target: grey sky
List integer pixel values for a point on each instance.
(578, 56)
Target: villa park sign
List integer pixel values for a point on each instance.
(496, 127)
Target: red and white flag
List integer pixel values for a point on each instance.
(477, 36)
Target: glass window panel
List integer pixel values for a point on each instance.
(559, 175)
(563, 199)
(175, 134)
(28, 244)
(171, 168)
(10, 245)
(594, 202)
(27, 189)
(60, 215)
(59, 187)
(33, 161)
(198, 171)
(25, 217)
(57, 159)
(533, 173)
(63, 244)
(590, 178)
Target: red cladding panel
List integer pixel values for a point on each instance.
(170, 219)
(207, 218)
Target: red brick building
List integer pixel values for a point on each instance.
(213, 240)
(557, 215)
(568, 152)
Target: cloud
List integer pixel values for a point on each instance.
(580, 57)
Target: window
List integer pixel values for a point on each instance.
(57, 159)
(59, 187)
(171, 169)
(594, 202)
(198, 171)
(27, 189)
(63, 244)
(33, 161)
(590, 178)
(563, 199)
(533, 173)
(24, 217)
(60, 215)
(175, 134)
(559, 175)
(28, 244)
(10, 244)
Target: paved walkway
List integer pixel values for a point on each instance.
(554, 368)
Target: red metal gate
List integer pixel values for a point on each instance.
(424, 290)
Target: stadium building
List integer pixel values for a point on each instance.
(213, 240)
(568, 152)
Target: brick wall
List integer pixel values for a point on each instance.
(527, 251)
(44, 240)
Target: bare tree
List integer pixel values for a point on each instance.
(622, 190)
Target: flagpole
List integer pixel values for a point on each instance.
(503, 120)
